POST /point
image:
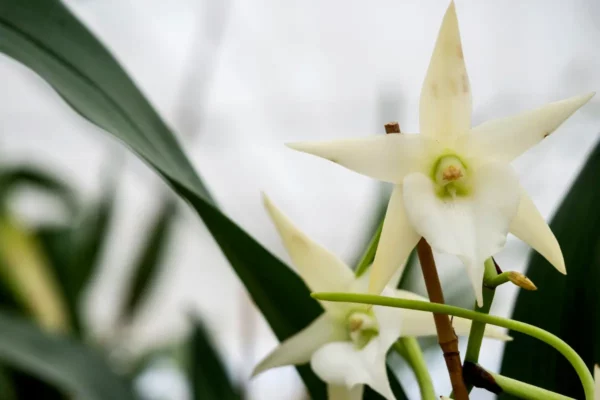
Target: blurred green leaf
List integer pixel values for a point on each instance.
(15, 177)
(87, 240)
(567, 305)
(207, 372)
(58, 360)
(7, 387)
(46, 37)
(26, 386)
(148, 264)
(27, 274)
(74, 251)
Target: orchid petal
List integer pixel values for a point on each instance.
(341, 363)
(341, 392)
(529, 226)
(445, 108)
(505, 139)
(472, 227)
(397, 240)
(390, 322)
(385, 157)
(322, 270)
(298, 349)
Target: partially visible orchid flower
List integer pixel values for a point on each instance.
(347, 344)
(453, 183)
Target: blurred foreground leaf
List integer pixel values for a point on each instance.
(46, 37)
(74, 251)
(27, 274)
(67, 364)
(567, 306)
(207, 373)
(147, 265)
(15, 177)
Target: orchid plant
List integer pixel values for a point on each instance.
(454, 192)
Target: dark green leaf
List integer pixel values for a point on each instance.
(7, 385)
(148, 264)
(564, 305)
(45, 36)
(58, 360)
(207, 373)
(15, 177)
(25, 386)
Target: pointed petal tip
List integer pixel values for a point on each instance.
(299, 146)
(265, 199)
(259, 369)
(479, 300)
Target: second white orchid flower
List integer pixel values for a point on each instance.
(347, 344)
(454, 184)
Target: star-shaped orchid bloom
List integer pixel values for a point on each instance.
(453, 183)
(347, 344)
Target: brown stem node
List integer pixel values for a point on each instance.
(477, 376)
(392, 127)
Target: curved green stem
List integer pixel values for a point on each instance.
(369, 254)
(582, 371)
(409, 348)
(525, 390)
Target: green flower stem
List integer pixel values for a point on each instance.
(582, 371)
(369, 255)
(500, 279)
(525, 390)
(409, 349)
(478, 328)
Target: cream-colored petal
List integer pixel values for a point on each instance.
(385, 157)
(445, 108)
(472, 227)
(420, 323)
(390, 321)
(341, 392)
(398, 238)
(341, 363)
(299, 348)
(322, 270)
(529, 226)
(505, 139)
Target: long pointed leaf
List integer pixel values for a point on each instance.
(207, 373)
(45, 36)
(147, 265)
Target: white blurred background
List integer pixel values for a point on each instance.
(237, 79)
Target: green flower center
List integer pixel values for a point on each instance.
(362, 327)
(451, 176)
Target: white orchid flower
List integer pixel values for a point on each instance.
(454, 184)
(347, 344)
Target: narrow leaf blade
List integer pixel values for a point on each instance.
(59, 360)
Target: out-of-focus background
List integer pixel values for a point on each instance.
(237, 80)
